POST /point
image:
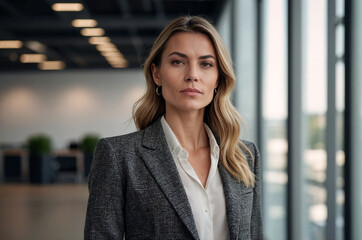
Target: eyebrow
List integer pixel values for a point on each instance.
(185, 56)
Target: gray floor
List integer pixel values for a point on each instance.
(37, 212)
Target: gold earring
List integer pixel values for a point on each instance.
(158, 92)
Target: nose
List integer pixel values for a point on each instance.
(191, 74)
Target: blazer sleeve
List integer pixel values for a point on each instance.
(256, 217)
(105, 210)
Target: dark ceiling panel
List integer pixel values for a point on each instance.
(4, 12)
(132, 25)
(104, 7)
(31, 8)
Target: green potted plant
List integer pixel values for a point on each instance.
(88, 144)
(41, 163)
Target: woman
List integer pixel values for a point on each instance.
(185, 174)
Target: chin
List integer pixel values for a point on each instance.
(188, 104)
(191, 107)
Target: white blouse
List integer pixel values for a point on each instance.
(207, 204)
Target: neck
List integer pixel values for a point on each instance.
(189, 129)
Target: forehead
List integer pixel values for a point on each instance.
(190, 43)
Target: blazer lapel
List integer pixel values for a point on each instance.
(234, 201)
(159, 161)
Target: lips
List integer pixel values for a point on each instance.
(190, 90)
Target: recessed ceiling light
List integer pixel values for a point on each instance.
(92, 32)
(99, 40)
(115, 59)
(107, 47)
(112, 54)
(51, 65)
(11, 44)
(84, 23)
(32, 58)
(67, 7)
(120, 65)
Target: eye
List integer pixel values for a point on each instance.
(206, 64)
(177, 62)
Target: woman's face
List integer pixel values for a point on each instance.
(188, 72)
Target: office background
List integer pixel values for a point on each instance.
(298, 67)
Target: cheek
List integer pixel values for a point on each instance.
(212, 78)
(168, 77)
(169, 87)
(212, 87)
(210, 92)
(171, 82)
(213, 84)
(210, 95)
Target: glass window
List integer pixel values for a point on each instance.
(274, 117)
(356, 134)
(340, 107)
(314, 112)
(340, 156)
(244, 51)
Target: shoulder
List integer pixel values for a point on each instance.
(251, 146)
(126, 139)
(130, 142)
(111, 153)
(251, 152)
(116, 145)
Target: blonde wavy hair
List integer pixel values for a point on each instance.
(220, 115)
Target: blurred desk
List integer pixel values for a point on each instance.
(70, 162)
(15, 163)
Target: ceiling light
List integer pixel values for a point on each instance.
(84, 23)
(107, 47)
(115, 59)
(67, 7)
(32, 58)
(120, 65)
(112, 54)
(92, 31)
(118, 61)
(51, 65)
(99, 40)
(11, 44)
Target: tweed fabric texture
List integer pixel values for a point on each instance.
(135, 192)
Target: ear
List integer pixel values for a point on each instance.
(156, 74)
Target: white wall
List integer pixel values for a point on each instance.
(67, 104)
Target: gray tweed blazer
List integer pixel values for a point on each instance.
(135, 192)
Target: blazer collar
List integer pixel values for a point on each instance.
(158, 159)
(235, 202)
